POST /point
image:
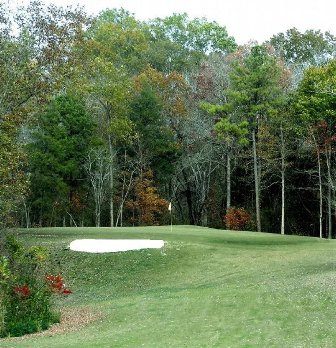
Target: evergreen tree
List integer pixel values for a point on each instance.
(57, 155)
(254, 94)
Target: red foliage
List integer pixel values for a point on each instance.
(22, 291)
(326, 133)
(237, 219)
(56, 284)
(67, 291)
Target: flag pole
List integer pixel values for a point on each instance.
(171, 216)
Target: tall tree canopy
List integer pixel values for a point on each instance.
(178, 43)
(36, 57)
(104, 118)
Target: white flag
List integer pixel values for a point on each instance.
(169, 206)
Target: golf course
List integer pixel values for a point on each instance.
(203, 288)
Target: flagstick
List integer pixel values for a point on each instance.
(171, 216)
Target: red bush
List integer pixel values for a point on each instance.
(237, 219)
(56, 284)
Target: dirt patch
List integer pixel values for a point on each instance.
(72, 319)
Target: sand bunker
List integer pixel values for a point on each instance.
(114, 245)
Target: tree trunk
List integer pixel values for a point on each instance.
(319, 184)
(330, 189)
(228, 181)
(334, 209)
(27, 214)
(320, 191)
(111, 181)
(188, 195)
(124, 194)
(283, 168)
(256, 180)
(190, 205)
(329, 214)
(98, 219)
(282, 229)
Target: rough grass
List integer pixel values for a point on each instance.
(206, 288)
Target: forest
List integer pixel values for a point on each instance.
(111, 121)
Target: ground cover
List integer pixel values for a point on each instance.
(205, 288)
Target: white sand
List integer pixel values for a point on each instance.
(114, 245)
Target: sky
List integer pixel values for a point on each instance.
(245, 20)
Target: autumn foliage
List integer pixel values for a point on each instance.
(237, 219)
(147, 204)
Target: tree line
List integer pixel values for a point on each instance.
(106, 120)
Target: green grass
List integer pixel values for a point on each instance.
(206, 288)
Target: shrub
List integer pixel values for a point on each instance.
(237, 219)
(26, 304)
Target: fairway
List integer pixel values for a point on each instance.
(204, 288)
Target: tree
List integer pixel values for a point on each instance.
(315, 103)
(278, 138)
(13, 178)
(302, 50)
(147, 203)
(179, 44)
(254, 93)
(98, 169)
(112, 56)
(60, 142)
(34, 59)
(155, 143)
(210, 85)
(231, 134)
(120, 39)
(194, 173)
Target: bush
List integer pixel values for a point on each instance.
(237, 219)
(26, 304)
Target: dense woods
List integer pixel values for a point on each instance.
(104, 121)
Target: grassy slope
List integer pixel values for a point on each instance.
(207, 288)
